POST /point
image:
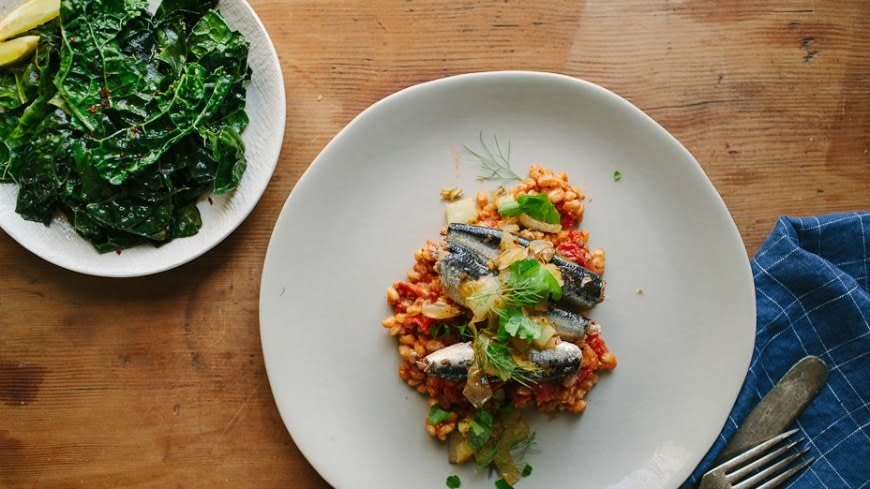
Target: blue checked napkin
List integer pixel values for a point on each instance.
(813, 298)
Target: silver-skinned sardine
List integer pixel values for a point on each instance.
(560, 361)
(569, 325)
(452, 362)
(459, 266)
(582, 289)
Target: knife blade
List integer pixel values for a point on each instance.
(780, 407)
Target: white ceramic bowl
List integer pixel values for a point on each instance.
(59, 243)
(370, 199)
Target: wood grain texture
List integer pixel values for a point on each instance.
(159, 382)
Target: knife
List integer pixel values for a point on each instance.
(780, 407)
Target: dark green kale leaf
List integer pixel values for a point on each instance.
(93, 64)
(189, 11)
(228, 150)
(10, 97)
(123, 119)
(9, 102)
(197, 97)
(43, 173)
(25, 95)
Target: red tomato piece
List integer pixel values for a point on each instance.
(597, 344)
(407, 288)
(423, 323)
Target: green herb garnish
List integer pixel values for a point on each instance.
(527, 470)
(512, 322)
(536, 206)
(438, 330)
(497, 359)
(481, 428)
(464, 332)
(437, 415)
(453, 482)
(503, 484)
(493, 165)
(528, 283)
(124, 119)
(524, 443)
(617, 176)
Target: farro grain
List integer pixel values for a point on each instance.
(411, 328)
(434, 345)
(407, 339)
(573, 205)
(392, 295)
(608, 360)
(556, 196)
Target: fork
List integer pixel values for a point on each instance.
(759, 467)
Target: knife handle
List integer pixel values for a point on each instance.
(780, 407)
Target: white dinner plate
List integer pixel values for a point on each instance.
(371, 198)
(266, 108)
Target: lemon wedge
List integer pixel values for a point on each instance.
(27, 15)
(17, 49)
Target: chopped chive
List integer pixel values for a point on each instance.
(438, 330)
(481, 427)
(510, 209)
(617, 176)
(453, 482)
(463, 332)
(527, 470)
(437, 415)
(503, 484)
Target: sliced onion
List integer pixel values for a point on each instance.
(481, 296)
(440, 310)
(556, 273)
(508, 240)
(477, 389)
(542, 250)
(537, 225)
(510, 227)
(503, 199)
(462, 211)
(547, 333)
(510, 255)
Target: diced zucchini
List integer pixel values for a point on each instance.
(459, 450)
(506, 201)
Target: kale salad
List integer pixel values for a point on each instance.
(123, 119)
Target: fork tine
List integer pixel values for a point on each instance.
(754, 452)
(781, 478)
(774, 469)
(761, 462)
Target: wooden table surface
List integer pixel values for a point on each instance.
(159, 382)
